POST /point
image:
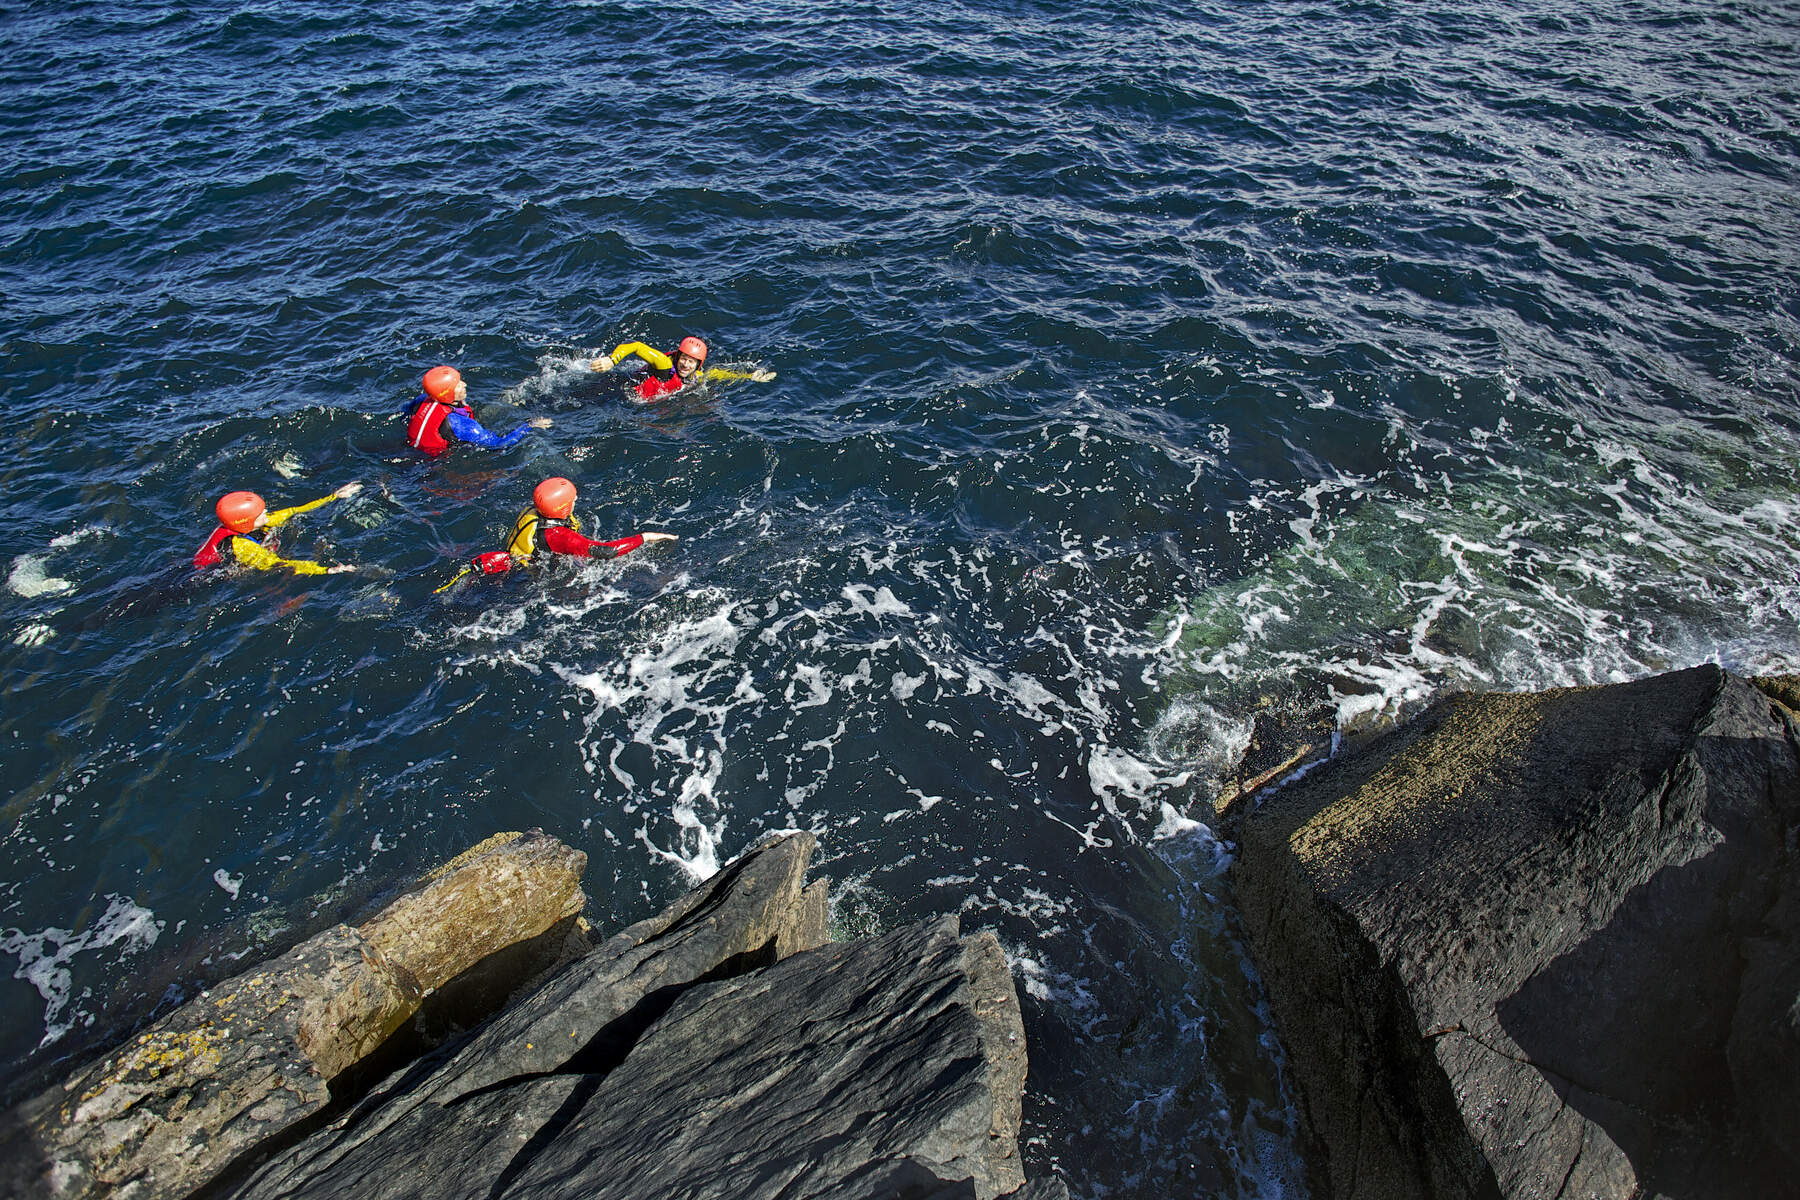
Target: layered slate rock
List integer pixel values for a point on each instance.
(454, 1124)
(1544, 945)
(720, 1049)
(261, 1053)
(862, 1069)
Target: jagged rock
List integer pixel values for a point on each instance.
(452, 1125)
(871, 1068)
(693, 1055)
(259, 1053)
(1543, 945)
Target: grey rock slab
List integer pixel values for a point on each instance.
(438, 1116)
(243, 1062)
(889, 1066)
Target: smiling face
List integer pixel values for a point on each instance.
(685, 365)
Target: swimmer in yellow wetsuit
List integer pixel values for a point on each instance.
(667, 374)
(243, 516)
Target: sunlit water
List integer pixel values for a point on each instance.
(1143, 372)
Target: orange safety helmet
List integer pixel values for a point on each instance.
(237, 511)
(554, 498)
(440, 384)
(693, 347)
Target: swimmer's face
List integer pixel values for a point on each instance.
(685, 365)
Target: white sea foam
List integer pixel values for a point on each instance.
(30, 578)
(44, 958)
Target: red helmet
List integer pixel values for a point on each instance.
(555, 497)
(440, 383)
(693, 347)
(237, 511)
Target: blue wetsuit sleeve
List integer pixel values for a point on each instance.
(467, 429)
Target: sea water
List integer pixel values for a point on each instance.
(1144, 373)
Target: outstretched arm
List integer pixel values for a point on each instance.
(759, 375)
(282, 515)
(566, 541)
(649, 354)
(467, 429)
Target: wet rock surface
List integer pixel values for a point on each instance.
(721, 1048)
(1544, 945)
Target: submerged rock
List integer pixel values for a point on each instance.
(1544, 945)
(257, 1055)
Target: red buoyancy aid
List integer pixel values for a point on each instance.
(651, 387)
(424, 429)
(208, 555)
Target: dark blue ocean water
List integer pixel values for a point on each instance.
(1145, 373)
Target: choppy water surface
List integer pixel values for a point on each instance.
(1143, 372)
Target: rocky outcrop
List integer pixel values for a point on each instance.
(718, 1049)
(259, 1054)
(1544, 945)
(723, 1048)
(855, 1070)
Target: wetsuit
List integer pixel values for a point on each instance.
(432, 425)
(659, 371)
(248, 549)
(559, 535)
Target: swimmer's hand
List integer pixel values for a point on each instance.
(539, 422)
(340, 569)
(602, 364)
(347, 491)
(658, 537)
(761, 375)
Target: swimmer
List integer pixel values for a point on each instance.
(242, 518)
(550, 522)
(440, 414)
(664, 373)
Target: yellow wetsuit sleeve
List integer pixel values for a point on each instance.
(725, 373)
(251, 554)
(654, 357)
(285, 514)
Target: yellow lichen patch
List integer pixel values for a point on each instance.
(157, 1053)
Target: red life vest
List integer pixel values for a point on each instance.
(651, 387)
(424, 430)
(208, 555)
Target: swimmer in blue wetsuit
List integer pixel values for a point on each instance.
(440, 415)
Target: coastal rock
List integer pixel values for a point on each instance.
(720, 1049)
(259, 1054)
(509, 889)
(453, 1124)
(1544, 946)
(862, 1069)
